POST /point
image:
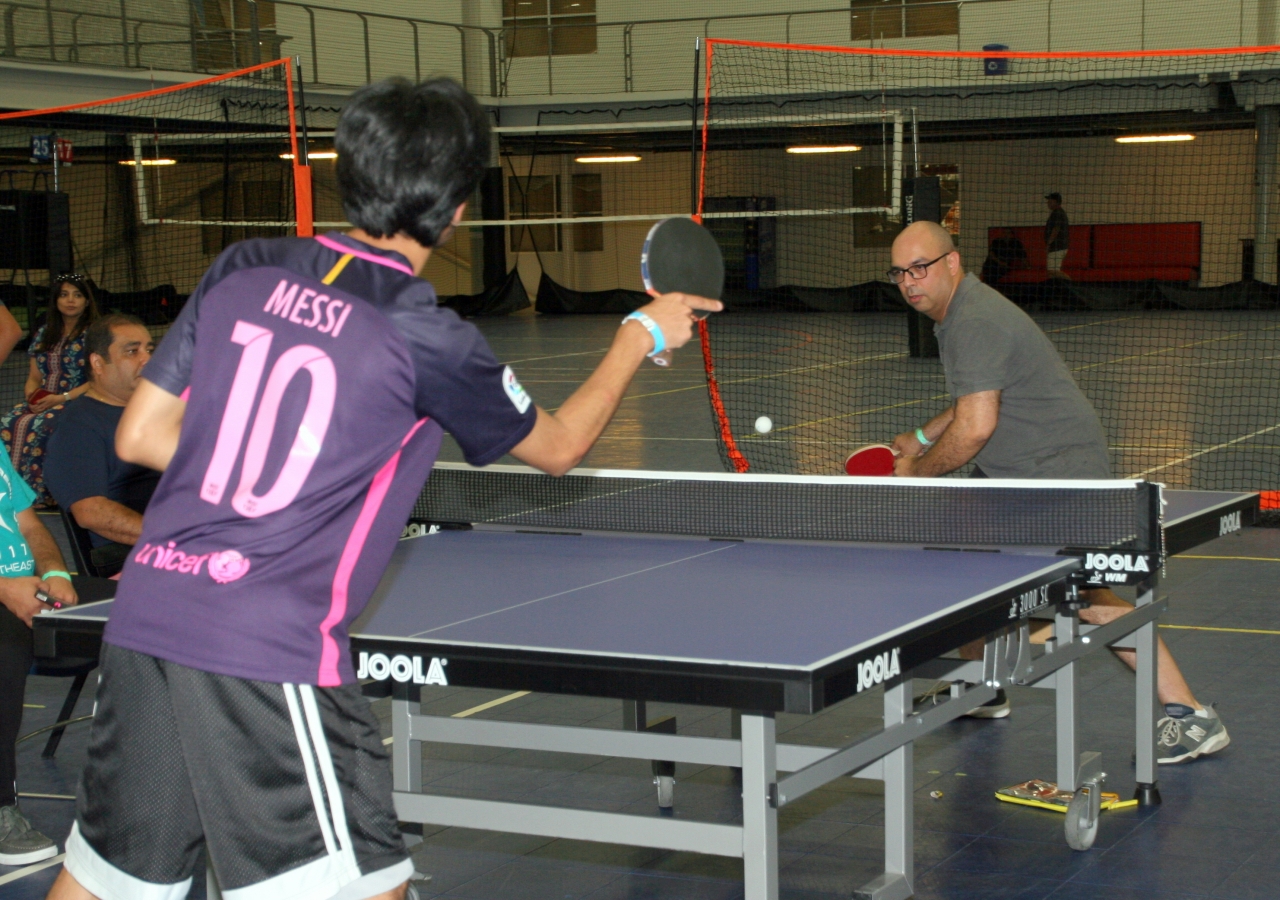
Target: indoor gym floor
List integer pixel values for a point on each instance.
(1216, 835)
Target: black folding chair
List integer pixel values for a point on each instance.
(82, 548)
(90, 585)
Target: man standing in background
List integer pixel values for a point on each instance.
(1057, 235)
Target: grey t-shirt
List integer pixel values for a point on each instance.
(1047, 428)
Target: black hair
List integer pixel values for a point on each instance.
(53, 317)
(408, 154)
(101, 334)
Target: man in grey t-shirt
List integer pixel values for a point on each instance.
(1057, 236)
(1018, 413)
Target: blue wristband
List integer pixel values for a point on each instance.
(924, 441)
(659, 339)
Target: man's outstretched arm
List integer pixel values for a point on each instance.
(559, 441)
(972, 424)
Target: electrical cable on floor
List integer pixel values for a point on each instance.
(62, 724)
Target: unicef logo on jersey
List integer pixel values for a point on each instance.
(224, 566)
(228, 566)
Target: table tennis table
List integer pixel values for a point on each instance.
(488, 591)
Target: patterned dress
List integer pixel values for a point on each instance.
(24, 432)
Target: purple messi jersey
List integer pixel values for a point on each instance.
(319, 376)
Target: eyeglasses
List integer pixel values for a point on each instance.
(917, 272)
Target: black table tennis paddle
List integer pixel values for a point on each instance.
(680, 255)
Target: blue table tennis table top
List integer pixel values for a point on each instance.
(797, 609)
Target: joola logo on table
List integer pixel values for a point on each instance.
(1116, 562)
(875, 670)
(403, 669)
(1229, 523)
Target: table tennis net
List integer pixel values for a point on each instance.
(1121, 514)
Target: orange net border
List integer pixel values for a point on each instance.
(301, 172)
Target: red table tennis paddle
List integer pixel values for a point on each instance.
(680, 255)
(873, 459)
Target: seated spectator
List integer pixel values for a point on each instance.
(57, 375)
(1006, 252)
(105, 495)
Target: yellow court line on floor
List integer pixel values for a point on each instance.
(491, 704)
(1231, 630)
(1242, 558)
(31, 870)
(481, 708)
(33, 706)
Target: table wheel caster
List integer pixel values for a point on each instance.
(1085, 807)
(666, 793)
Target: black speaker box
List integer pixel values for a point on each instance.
(35, 231)
(924, 199)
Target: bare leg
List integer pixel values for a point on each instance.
(1106, 607)
(67, 888)
(393, 894)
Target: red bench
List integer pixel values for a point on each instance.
(1159, 251)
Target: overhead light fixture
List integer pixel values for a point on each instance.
(149, 162)
(1154, 138)
(607, 159)
(319, 154)
(837, 148)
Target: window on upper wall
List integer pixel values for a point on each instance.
(549, 27)
(874, 20)
(588, 200)
(534, 197)
(223, 31)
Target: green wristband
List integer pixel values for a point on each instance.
(55, 573)
(924, 441)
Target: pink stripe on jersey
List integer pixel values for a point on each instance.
(329, 675)
(186, 394)
(360, 254)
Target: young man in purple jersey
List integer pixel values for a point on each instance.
(296, 407)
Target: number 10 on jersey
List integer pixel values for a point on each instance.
(256, 342)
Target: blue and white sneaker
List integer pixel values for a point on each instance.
(1185, 733)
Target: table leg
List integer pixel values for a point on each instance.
(635, 715)
(406, 754)
(759, 806)
(899, 805)
(899, 793)
(1147, 705)
(1066, 631)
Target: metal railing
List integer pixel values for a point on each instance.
(352, 47)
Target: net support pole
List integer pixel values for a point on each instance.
(1268, 144)
(693, 130)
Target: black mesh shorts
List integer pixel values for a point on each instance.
(288, 787)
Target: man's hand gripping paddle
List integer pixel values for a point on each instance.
(680, 256)
(873, 459)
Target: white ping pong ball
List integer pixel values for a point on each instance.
(764, 424)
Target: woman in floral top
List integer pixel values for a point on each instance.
(59, 371)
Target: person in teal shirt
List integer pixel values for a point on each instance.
(29, 561)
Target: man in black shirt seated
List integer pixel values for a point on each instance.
(105, 495)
